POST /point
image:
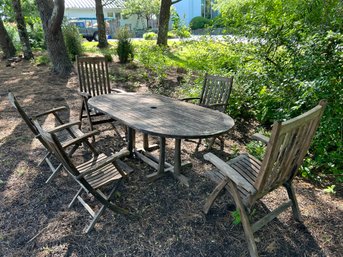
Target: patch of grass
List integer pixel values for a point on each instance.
(41, 60)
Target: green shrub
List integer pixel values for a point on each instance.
(35, 31)
(150, 36)
(13, 33)
(108, 57)
(199, 22)
(183, 32)
(171, 34)
(125, 47)
(41, 60)
(73, 41)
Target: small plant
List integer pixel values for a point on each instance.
(125, 47)
(171, 34)
(41, 60)
(72, 40)
(330, 189)
(150, 36)
(236, 217)
(256, 149)
(179, 28)
(108, 57)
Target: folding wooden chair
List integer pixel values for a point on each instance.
(215, 94)
(68, 133)
(93, 81)
(92, 176)
(248, 180)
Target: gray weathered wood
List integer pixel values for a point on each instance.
(163, 116)
(286, 149)
(93, 176)
(67, 133)
(93, 78)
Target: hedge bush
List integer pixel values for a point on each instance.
(199, 22)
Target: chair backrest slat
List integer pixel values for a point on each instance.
(22, 113)
(216, 90)
(93, 75)
(287, 147)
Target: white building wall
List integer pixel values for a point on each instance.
(130, 22)
(188, 9)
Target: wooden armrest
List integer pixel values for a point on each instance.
(64, 126)
(117, 90)
(80, 139)
(229, 172)
(260, 138)
(50, 111)
(104, 162)
(190, 98)
(85, 95)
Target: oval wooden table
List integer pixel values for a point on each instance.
(163, 117)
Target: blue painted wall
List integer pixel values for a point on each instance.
(188, 9)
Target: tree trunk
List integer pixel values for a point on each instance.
(51, 13)
(24, 37)
(6, 42)
(162, 38)
(101, 24)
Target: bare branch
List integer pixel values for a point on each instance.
(176, 1)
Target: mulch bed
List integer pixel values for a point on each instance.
(35, 219)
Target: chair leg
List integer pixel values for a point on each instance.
(210, 143)
(214, 195)
(244, 219)
(91, 128)
(102, 208)
(81, 112)
(198, 144)
(295, 207)
(54, 173)
(75, 197)
(46, 156)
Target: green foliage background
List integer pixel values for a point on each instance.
(285, 57)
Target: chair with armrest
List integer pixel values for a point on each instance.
(94, 176)
(215, 94)
(93, 80)
(248, 179)
(68, 133)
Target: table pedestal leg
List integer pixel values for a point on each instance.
(162, 155)
(177, 164)
(131, 144)
(161, 166)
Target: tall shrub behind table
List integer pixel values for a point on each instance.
(125, 47)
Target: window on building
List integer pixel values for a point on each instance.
(206, 9)
(118, 16)
(110, 14)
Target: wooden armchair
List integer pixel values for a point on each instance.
(93, 81)
(68, 133)
(215, 95)
(93, 176)
(248, 180)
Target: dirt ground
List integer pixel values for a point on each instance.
(35, 219)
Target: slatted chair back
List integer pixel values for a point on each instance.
(54, 145)
(22, 113)
(216, 92)
(287, 147)
(93, 75)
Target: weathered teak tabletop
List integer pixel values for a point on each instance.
(163, 117)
